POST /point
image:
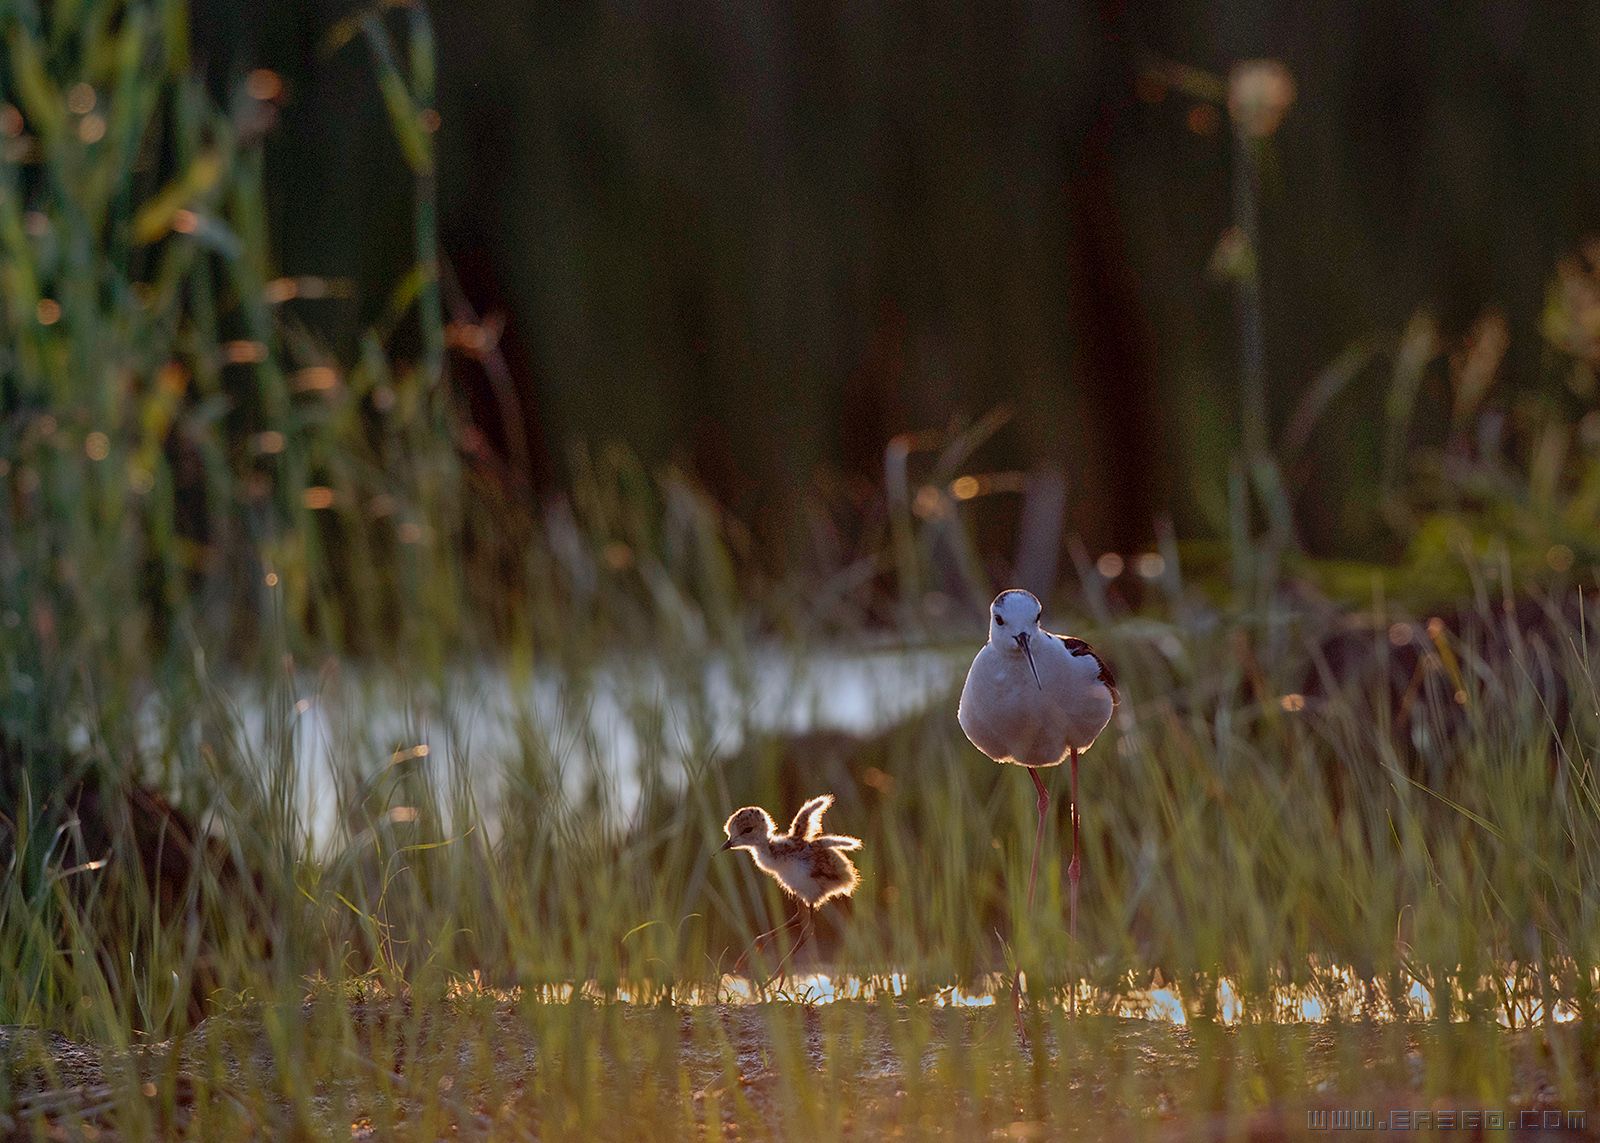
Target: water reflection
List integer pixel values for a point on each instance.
(630, 721)
(1354, 1001)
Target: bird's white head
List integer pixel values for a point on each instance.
(1014, 624)
(748, 828)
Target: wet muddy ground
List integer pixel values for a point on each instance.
(497, 1069)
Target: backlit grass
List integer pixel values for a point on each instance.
(1349, 860)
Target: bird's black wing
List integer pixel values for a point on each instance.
(1079, 647)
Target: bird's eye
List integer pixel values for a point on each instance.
(998, 621)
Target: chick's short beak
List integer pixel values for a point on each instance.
(1022, 641)
(725, 845)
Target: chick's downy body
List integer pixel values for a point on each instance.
(813, 873)
(809, 864)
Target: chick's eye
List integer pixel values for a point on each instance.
(998, 621)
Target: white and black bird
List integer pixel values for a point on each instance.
(1034, 699)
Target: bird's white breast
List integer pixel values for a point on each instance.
(797, 873)
(1012, 718)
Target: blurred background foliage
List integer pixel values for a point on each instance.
(325, 318)
(190, 466)
(760, 242)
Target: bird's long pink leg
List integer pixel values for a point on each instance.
(759, 943)
(1033, 877)
(1038, 833)
(1074, 870)
(804, 933)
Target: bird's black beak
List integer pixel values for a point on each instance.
(725, 845)
(1022, 641)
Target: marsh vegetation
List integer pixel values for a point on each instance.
(347, 794)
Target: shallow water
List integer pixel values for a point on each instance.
(1340, 998)
(627, 717)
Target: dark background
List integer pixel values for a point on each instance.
(760, 239)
